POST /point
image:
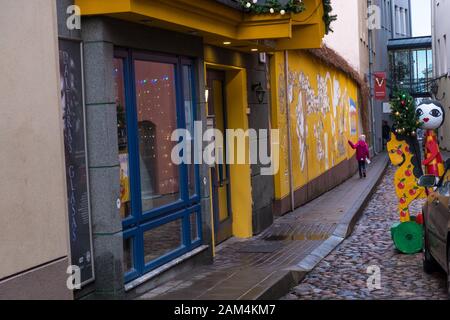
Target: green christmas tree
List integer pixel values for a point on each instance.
(404, 114)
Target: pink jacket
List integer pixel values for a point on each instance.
(362, 150)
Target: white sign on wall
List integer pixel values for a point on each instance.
(387, 107)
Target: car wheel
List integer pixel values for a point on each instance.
(430, 265)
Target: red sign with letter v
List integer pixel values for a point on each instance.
(380, 85)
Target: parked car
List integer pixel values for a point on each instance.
(436, 214)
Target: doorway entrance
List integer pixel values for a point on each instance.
(159, 201)
(220, 174)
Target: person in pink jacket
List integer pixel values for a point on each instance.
(362, 154)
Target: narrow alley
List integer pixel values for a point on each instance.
(343, 274)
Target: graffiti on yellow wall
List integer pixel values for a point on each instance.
(323, 116)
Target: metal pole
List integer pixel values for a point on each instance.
(372, 115)
(288, 124)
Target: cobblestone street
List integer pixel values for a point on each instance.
(343, 274)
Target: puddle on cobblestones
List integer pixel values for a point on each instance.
(302, 232)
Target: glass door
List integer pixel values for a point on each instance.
(220, 174)
(160, 205)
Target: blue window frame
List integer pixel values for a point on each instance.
(164, 225)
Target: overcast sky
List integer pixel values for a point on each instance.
(421, 17)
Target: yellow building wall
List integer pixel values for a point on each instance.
(324, 114)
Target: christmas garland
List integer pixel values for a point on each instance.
(292, 6)
(328, 18)
(273, 6)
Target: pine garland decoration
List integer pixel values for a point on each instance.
(272, 6)
(404, 114)
(328, 18)
(292, 6)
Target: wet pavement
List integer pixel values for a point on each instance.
(344, 273)
(267, 266)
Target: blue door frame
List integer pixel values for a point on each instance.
(139, 222)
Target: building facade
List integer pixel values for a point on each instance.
(361, 36)
(395, 22)
(125, 217)
(34, 233)
(350, 40)
(350, 34)
(440, 31)
(150, 68)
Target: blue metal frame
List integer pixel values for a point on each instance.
(140, 222)
(196, 197)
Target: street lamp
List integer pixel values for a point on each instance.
(260, 92)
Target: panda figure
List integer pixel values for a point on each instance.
(431, 114)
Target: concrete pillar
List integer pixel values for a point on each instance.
(103, 152)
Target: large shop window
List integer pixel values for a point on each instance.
(160, 203)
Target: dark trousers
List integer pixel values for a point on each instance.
(385, 141)
(362, 167)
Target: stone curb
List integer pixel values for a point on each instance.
(281, 282)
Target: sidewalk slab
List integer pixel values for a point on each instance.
(269, 265)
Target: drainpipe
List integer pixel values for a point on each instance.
(371, 103)
(288, 124)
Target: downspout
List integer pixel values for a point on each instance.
(288, 124)
(372, 114)
(410, 18)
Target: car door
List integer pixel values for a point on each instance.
(437, 224)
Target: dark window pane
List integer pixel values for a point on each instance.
(402, 66)
(194, 227)
(162, 240)
(189, 116)
(128, 255)
(156, 106)
(119, 85)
